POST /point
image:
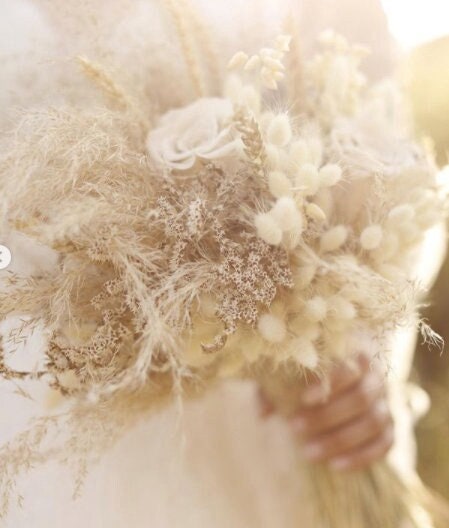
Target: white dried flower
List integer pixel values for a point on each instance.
(268, 229)
(371, 237)
(286, 214)
(279, 184)
(304, 352)
(198, 130)
(253, 63)
(334, 238)
(330, 175)
(315, 309)
(238, 60)
(272, 328)
(401, 214)
(315, 212)
(279, 131)
(273, 64)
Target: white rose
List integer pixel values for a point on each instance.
(199, 130)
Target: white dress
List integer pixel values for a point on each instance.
(217, 464)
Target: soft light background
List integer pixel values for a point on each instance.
(421, 28)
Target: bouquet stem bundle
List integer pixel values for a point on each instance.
(377, 497)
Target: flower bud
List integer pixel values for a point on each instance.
(315, 213)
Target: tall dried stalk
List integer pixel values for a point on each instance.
(178, 9)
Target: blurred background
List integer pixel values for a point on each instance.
(421, 28)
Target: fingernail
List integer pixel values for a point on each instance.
(340, 464)
(312, 451)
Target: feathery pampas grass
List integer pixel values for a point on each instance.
(228, 240)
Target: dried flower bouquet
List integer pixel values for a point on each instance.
(226, 240)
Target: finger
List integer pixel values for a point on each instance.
(349, 438)
(341, 378)
(346, 407)
(266, 407)
(366, 455)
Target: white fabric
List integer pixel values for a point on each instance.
(221, 466)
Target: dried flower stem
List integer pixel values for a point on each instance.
(178, 9)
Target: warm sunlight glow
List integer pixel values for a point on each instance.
(414, 22)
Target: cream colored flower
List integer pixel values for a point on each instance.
(199, 130)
